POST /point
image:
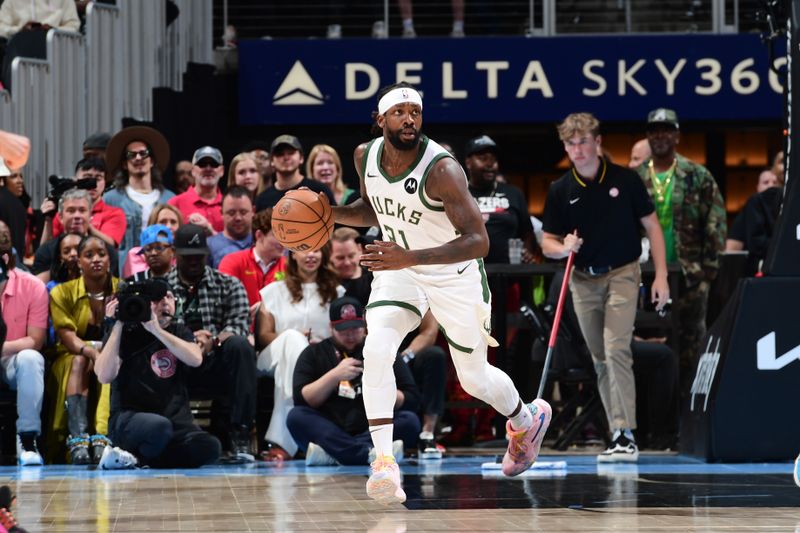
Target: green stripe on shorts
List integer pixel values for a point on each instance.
(396, 303)
(452, 343)
(484, 281)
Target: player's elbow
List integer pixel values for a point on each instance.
(482, 245)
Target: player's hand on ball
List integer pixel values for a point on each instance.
(385, 255)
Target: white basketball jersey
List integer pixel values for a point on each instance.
(406, 214)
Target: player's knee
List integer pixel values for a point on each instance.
(474, 382)
(380, 350)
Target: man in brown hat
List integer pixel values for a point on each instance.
(136, 159)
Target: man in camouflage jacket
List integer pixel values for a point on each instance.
(692, 214)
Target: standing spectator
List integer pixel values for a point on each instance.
(259, 266)
(147, 364)
(24, 308)
(183, 176)
(286, 155)
(202, 204)
(163, 214)
(325, 166)
(74, 207)
(12, 212)
(596, 210)
(214, 306)
(329, 421)
(640, 152)
(244, 173)
(407, 14)
(78, 310)
(237, 235)
(95, 145)
(293, 313)
(106, 222)
(502, 206)
(137, 157)
(692, 214)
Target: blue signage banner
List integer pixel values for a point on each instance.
(511, 79)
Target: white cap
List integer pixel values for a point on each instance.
(4, 170)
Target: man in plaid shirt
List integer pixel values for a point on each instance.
(215, 307)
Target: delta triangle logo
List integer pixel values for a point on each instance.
(298, 88)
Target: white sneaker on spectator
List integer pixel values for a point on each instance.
(379, 30)
(115, 458)
(409, 33)
(621, 450)
(317, 456)
(335, 31)
(27, 451)
(397, 452)
(458, 33)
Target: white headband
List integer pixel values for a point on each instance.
(400, 95)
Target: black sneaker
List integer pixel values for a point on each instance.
(240, 444)
(621, 450)
(428, 448)
(79, 450)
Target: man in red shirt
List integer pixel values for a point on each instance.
(107, 222)
(202, 204)
(260, 265)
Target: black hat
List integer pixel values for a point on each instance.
(190, 239)
(289, 140)
(97, 141)
(484, 143)
(347, 313)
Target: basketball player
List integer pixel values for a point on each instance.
(431, 259)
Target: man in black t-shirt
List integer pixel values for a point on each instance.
(146, 365)
(503, 206)
(597, 210)
(328, 421)
(286, 156)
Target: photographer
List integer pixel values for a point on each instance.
(75, 207)
(145, 360)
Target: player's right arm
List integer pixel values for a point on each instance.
(359, 213)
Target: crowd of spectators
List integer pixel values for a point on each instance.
(236, 306)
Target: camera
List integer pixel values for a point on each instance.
(60, 184)
(135, 298)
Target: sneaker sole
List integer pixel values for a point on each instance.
(537, 443)
(618, 459)
(430, 456)
(384, 491)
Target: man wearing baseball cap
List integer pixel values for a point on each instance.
(202, 204)
(215, 307)
(328, 421)
(692, 215)
(157, 252)
(286, 156)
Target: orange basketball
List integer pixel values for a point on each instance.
(303, 220)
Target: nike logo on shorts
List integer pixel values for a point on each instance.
(461, 270)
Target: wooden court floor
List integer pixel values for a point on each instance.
(661, 493)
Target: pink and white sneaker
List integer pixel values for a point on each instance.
(384, 483)
(524, 445)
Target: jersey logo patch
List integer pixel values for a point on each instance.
(163, 363)
(613, 192)
(410, 185)
(574, 200)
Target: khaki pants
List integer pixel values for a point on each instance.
(606, 309)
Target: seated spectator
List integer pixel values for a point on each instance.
(328, 421)
(762, 211)
(158, 251)
(286, 156)
(15, 184)
(151, 420)
(346, 261)
(293, 313)
(259, 266)
(244, 173)
(24, 309)
(137, 157)
(95, 145)
(12, 212)
(74, 208)
(78, 309)
(407, 14)
(325, 166)
(65, 265)
(214, 306)
(163, 214)
(260, 152)
(106, 222)
(237, 235)
(24, 23)
(202, 204)
(183, 177)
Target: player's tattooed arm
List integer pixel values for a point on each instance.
(359, 213)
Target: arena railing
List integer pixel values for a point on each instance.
(144, 36)
(105, 73)
(189, 39)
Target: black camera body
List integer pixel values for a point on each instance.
(135, 298)
(59, 185)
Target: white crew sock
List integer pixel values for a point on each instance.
(382, 439)
(522, 420)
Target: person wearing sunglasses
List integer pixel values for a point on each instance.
(202, 204)
(137, 158)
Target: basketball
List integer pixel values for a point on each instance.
(303, 220)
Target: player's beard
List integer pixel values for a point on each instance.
(397, 142)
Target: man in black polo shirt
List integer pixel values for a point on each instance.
(597, 210)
